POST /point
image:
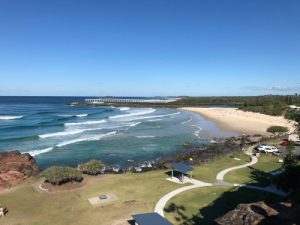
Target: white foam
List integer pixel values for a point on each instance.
(184, 122)
(91, 122)
(146, 136)
(154, 120)
(39, 151)
(124, 108)
(152, 117)
(90, 138)
(197, 132)
(82, 115)
(10, 117)
(67, 132)
(135, 124)
(138, 113)
(79, 115)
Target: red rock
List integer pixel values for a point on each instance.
(16, 167)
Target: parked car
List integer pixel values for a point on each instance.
(269, 149)
(261, 146)
(278, 153)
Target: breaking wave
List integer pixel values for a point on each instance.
(141, 112)
(146, 136)
(124, 108)
(66, 133)
(91, 138)
(91, 122)
(10, 117)
(39, 151)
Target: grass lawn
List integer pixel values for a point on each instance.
(203, 205)
(258, 174)
(208, 172)
(137, 193)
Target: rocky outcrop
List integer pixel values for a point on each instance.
(16, 167)
(261, 214)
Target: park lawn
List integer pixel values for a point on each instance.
(208, 172)
(137, 193)
(258, 174)
(203, 205)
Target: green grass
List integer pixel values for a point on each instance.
(137, 193)
(203, 205)
(258, 174)
(208, 172)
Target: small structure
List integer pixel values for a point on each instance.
(102, 199)
(150, 219)
(181, 168)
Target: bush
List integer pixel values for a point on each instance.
(59, 175)
(277, 129)
(92, 167)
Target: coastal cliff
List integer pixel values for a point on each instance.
(16, 167)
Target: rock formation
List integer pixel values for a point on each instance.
(16, 167)
(261, 214)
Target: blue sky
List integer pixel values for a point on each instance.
(148, 48)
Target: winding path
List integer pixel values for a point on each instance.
(220, 176)
(160, 205)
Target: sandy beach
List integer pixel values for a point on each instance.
(233, 119)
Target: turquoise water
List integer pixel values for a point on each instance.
(57, 134)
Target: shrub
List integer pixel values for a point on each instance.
(59, 175)
(92, 167)
(277, 129)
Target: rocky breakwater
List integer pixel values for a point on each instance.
(16, 167)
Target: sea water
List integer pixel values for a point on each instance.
(59, 134)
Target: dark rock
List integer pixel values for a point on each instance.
(261, 214)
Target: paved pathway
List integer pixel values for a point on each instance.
(160, 205)
(220, 176)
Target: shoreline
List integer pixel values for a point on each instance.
(233, 119)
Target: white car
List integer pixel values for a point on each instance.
(270, 149)
(263, 147)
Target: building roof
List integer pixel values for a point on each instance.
(181, 167)
(150, 219)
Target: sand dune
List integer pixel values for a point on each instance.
(234, 119)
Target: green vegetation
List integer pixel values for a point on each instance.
(203, 205)
(289, 180)
(208, 172)
(270, 104)
(59, 175)
(258, 174)
(293, 114)
(92, 167)
(277, 129)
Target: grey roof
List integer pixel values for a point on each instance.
(150, 219)
(181, 167)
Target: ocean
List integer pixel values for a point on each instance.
(59, 134)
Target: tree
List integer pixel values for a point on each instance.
(59, 175)
(290, 159)
(277, 129)
(92, 167)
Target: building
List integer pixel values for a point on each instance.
(150, 219)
